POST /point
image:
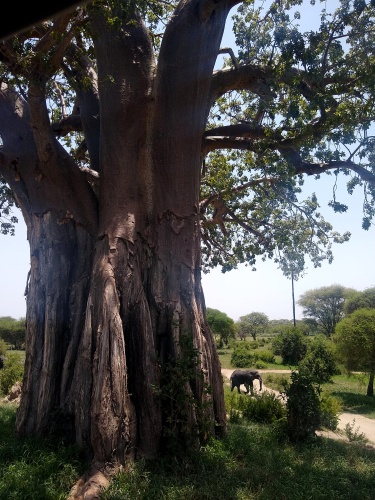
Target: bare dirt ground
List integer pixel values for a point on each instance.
(359, 423)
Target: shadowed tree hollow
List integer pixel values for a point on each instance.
(137, 166)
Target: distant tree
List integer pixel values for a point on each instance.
(355, 343)
(13, 331)
(277, 326)
(255, 323)
(360, 300)
(310, 326)
(326, 305)
(223, 327)
(291, 345)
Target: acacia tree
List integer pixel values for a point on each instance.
(252, 324)
(126, 152)
(326, 305)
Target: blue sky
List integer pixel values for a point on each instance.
(241, 291)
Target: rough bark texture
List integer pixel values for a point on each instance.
(115, 280)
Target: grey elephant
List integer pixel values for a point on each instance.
(245, 377)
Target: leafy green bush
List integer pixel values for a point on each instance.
(260, 365)
(266, 408)
(243, 356)
(354, 435)
(330, 408)
(319, 361)
(291, 345)
(266, 356)
(11, 373)
(303, 408)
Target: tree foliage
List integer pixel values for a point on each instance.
(355, 343)
(325, 305)
(255, 323)
(360, 300)
(291, 345)
(319, 362)
(13, 331)
(304, 414)
(222, 326)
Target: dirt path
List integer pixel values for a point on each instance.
(359, 423)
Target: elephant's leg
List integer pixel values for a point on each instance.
(251, 387)
(238, 388)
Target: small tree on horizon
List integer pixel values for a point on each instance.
(326, 305)
(253, 324)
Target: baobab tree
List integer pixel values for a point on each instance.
(137, 166)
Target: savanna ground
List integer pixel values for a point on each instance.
(251, 462)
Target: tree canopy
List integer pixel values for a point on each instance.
(360, 300)
(288, 104)
(355, 343)
(326, 305)
(222, 326)
(255, 323)
(13, 331)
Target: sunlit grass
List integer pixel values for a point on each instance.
(351, 391)
(252, 464)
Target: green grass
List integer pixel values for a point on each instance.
(251, 464)
(34, 469)
(351, 391)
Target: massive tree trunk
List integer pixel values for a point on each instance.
(115, 299)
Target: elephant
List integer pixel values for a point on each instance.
(246, 378)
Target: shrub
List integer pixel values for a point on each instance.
(303, 408)
(266, 408)
(11, 373)
(260, 365)
(330, 408)
(319, 361)
(243, 356)
(291, 345)
(354, 435)
(266, 356)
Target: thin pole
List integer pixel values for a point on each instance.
(294, 306)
